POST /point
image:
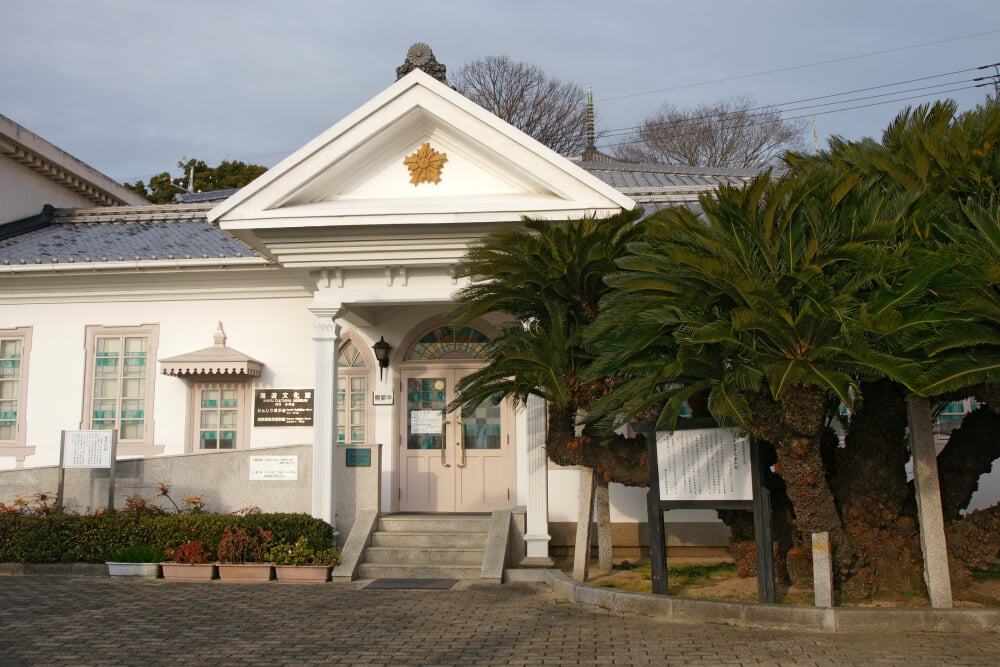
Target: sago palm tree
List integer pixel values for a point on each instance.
(770, 303)
(547, 280)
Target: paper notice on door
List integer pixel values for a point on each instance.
(425, 421)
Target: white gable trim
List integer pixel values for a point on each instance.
(550, 185)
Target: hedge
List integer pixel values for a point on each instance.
(94, 538)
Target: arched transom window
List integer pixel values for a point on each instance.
(450, 343)
(352, 396)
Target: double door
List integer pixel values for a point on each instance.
(449, 461)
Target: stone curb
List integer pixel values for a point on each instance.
(764, 616)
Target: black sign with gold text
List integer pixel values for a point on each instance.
(283, 407)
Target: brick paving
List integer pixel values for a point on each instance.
(101, 621)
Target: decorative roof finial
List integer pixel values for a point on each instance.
(220, 336)
(421, 57)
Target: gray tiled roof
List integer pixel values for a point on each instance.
(656, 186)
(123, 233)
(182, 231)
(212, 197)
(658, 177)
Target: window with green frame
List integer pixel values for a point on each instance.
(120, 373)
(218, 416)
(11, 354)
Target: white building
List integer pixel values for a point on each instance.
(178, 325)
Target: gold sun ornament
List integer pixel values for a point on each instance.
(425, 165)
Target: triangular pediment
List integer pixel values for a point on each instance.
(355, 173)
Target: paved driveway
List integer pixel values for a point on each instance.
(100, 621)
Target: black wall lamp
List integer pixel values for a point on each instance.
(382, 350)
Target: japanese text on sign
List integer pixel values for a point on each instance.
(283, 468)
(283, 407)
(87, 449)
(704, 464)
(426, 421)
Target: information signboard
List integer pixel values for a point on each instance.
(274, 468)
(88, 449)
(283, 407)
(704, 464)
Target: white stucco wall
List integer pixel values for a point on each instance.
(276, 331)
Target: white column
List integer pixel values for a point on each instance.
(537, 529)
(327, 338)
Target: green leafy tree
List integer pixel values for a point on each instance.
(547, 281)
(229, 174)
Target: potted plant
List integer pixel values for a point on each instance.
(243, 554)
(189, 562)
(302, 561)
(140, 560)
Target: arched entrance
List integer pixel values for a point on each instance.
(451, 462)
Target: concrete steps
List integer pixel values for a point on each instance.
(426, 546)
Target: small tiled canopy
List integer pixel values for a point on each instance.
(215, 360)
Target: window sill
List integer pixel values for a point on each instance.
(19, 452)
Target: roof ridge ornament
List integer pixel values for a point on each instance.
(420, 56)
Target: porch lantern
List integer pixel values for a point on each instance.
(382, 350)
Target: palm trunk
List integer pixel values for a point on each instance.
(801, 466)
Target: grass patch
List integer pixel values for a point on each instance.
(683, 579)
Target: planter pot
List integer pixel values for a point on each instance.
(303, 573)
(245, 571)
(188, 571)
(148, 570)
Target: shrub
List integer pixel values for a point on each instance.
(302, 553)
(240, 545)
(139, 553)
(190, 552)
(94, 538)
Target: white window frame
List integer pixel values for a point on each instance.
(242, 386)
(16, 446)
(345, 374)
(143, 446)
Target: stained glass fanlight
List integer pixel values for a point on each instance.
(450, 343)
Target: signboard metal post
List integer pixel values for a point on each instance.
(762, 527)
(657, 537)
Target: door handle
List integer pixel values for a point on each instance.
(444, 442)
(461, 444)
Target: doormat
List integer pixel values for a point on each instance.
(412, 584)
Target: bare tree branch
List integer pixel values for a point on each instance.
(732, 133)
(553, 112)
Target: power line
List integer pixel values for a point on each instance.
(822, 113)
(823, 97)
(797, 67)
(778, 108)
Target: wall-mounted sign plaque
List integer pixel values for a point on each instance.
(382, 398)
(271, 468)
(358, 458)
(283, 407)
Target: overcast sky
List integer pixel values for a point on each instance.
(131, 87)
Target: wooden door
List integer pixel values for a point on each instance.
(451, 462)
